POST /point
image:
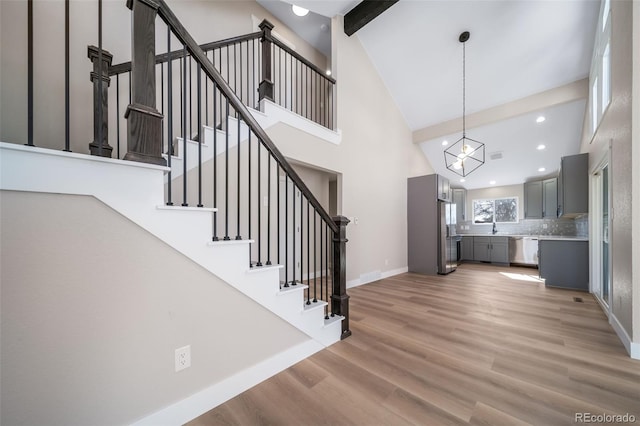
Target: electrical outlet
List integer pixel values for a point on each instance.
(386, 262)
(183, 358)
(544, 226)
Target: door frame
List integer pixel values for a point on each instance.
(596, 231)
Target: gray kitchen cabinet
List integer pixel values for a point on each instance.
(459, 198)
(499, 249)
(444, 188)
(491, 249)
(564, 263)
(481, 252)
(533, 200)
(573, 185)
(550, 198)
(541, 199)
(467, 248)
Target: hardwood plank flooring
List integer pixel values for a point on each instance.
(485, 345)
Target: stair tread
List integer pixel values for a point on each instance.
(229, 242)
(314, 305)
(333, 320)
(187, 208)
(292, 288)
(256, 269)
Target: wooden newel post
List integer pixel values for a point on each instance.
(100, 145)
(339, 296)
(144, 122)
(265, 89)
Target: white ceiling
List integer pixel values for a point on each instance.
(517, 48)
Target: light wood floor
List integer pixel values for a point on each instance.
(485, 345)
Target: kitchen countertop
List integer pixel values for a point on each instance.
(539, 237)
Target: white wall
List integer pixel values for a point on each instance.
(93, 308)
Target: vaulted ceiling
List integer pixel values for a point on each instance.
(518, 48)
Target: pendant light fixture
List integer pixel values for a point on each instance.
(467, 154)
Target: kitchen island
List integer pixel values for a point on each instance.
(564, 262)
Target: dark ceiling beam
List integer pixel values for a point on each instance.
(364, 13)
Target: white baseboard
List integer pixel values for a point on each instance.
(633, 348)
(386, 274)
(207, 399)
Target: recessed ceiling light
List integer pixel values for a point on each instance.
(492, 182)
(462, 180)
(300, 11)
(540, 147)
(444, 143)
(540, 119)
(541, 169)
(328, 72)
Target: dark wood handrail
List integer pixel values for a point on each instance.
(167, 15)
(299, 57)
(177, 54)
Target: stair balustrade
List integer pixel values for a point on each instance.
(257, 193)
(186, 107)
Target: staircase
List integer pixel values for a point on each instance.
(199, 171)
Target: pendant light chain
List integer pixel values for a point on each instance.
(464, 89)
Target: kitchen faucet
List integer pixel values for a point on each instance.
(494, 230)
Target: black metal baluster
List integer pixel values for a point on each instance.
(240, 69)
(321, 252)
(259, 238)
(327, 271)
(238, 237)
(206, 98)
(308, 256)
(184, 129)
(301, 239)
(315, 255)
(200, 134)
(278, 212)
(228, 65)
(161, 111)
(118, 115)
(226, 175)
(286, 85)
(235, 70)
(67, 127)
(329, 275)
(181, 95)
(169, 118)
(101, 76)
(30, 73)
(249, 193)
(215, 161)
(269, 212)
(190, 99)
(286, 230)
(293, 228)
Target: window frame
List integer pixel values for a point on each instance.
(493, 201)
(600, 74)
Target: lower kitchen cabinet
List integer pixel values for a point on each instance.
(564, 263)
(491, 249)
(467, 248)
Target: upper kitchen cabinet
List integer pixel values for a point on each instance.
(459, 198)
(541, 199)
(533, 200)
(573, 186)
(444, 189)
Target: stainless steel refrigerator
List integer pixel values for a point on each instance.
(447, 238)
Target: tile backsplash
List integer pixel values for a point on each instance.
(578, 227)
